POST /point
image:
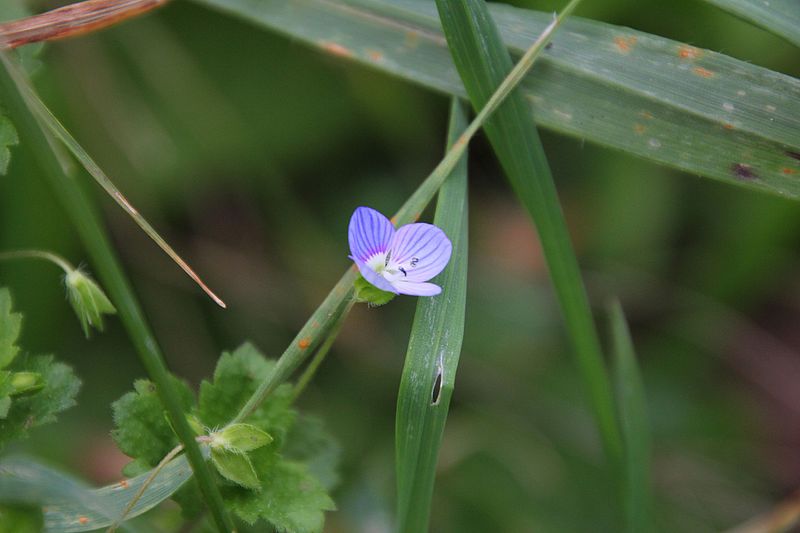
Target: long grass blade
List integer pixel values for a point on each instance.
(92, 233)
(632, 407)
(781, 17)
(432, 357)
(668, 102)
(483, 61)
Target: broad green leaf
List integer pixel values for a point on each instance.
(235, 467)
(432, 357)
(142, 431)
(309, 443)
(71, 506)
(236, 377)
(483, 63)
(10, 324)
(290, 498)
(781, 17)
(632, 408)
(689, 108)
(40, 407)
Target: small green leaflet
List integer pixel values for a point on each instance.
(10, 324)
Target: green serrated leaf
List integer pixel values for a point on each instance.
(142, 430)
(28, 411)
(240, 438)
(290, 499)
(309, 443)
(10, 324)
(235, 467)
(235, 379)
(5, 406)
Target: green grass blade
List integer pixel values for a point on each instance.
(685, 107)
(70, 506)
(483, 62)
(432, 357)
(632, 406)
(781, 17)
(90, 228)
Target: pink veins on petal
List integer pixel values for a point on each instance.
(399, 261)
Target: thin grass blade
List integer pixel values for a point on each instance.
(432, 357)
(689, 108)
(781, 17)
(632, 407)
(483, 62)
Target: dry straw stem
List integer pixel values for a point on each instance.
(73, 20)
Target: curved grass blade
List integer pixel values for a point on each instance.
(90, 229)
(70, 506)
(781, 17)
(46, 117)
(483, 62)
(432, 357)
(674, 104)
(632, 408)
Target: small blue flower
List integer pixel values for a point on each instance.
(398, 261)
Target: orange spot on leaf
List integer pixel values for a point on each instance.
(416, 216)
(702, 72)
(393, 220)
(336, 49)
(728, 126)
(124, 483)
(788, 171)
(623, 44)
(639, 128)
(646, 115)
(688, 52)
(375, 55)
(304, 343)
(83, 520)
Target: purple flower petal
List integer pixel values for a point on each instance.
(373, 277)
(420, 250)
(369, 234)
(415, 288)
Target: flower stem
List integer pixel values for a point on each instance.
(93, 234)
(65, 265)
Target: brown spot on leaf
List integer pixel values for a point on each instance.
(646, 115)
(83, 520)
(624, 44)
(793, 155)
(336, 49)
(375, 55)
(728, 126)
(639, 128)
(788, 171)
(703, 72)
(123, 484)
(304, 343)
(688, 52)
(743, 171)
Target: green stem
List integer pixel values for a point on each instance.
(65, 265)
(94, 237)
(323, 350)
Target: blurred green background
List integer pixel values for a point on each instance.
(250, 151)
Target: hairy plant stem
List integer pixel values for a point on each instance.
(90, 228)
(65, 265)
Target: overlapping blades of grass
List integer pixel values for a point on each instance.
(483, 62)
(781, 17)
(632, 408)
(432, 357)
(694, 109)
